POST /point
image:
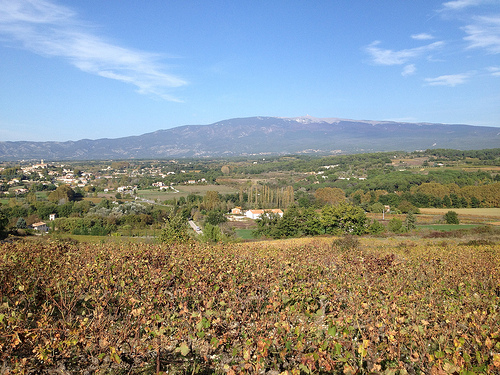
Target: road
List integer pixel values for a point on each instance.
(195, 227)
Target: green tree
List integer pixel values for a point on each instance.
(311, 225)
(343, 218)
(215, 218)
(376, 227)
(290, 224)
(211, 200)
(62, 194)
(267, 225)
(395, 225)
(4, 220)
(175, 230)
(212, 232)
(451, 217)
(410, 221)
(21, 223)
(377, 208)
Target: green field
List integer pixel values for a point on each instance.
(184, 191)
(245, 234)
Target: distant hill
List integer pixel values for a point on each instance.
(263, 135)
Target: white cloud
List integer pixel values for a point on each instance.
(484, 33)
(408, 70)
(449, 80)
(49, 29)
(389, 57)
(494, 71)
(422, 36)
(461, 4)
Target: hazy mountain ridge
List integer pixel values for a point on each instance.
(263, 135)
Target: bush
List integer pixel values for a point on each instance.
(451, 217)
(376, 227)
(395, 225)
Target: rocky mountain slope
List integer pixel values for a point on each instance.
(263, 135)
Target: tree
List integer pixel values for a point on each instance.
(451, 217)
(395, 225)
(175, 230)
(312, 223)
(377, 208)
(406, 207)
(212, 232)
(330, 195)
(4, 220)
(344, 218)
(267, 225)
(63, 194)
(215, 218)
(21, 223)
(410, 221)
(376, 227)
(211, 200)
(291, 223)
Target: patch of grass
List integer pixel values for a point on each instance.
(447, 227)
(184, 191)
(245, 234)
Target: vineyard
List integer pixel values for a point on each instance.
(325, 305)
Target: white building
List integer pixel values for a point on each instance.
(255, 214)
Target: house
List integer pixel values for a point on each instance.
(236, 211)
(40, 226)
(255, 214)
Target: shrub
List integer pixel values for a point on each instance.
(395, 225)
(376, 227)
(451, 217)
(410, 221)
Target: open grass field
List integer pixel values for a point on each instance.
(480, 212)
(245, 234)
(466, 215)
(184, 191)
(322, 305)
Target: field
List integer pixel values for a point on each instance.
(405, 305)
(184, 191)
(480, 212)
(467, 215)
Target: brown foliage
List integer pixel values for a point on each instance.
(246, 309)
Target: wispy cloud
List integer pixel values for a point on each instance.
(408, 70)
(451, 80)
(461, 4)
(484, 32)
(383, 56)
(422, 36)
(49, 29)
(494, 71)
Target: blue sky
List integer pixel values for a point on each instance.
(94, 69)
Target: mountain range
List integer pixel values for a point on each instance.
(261, 136)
